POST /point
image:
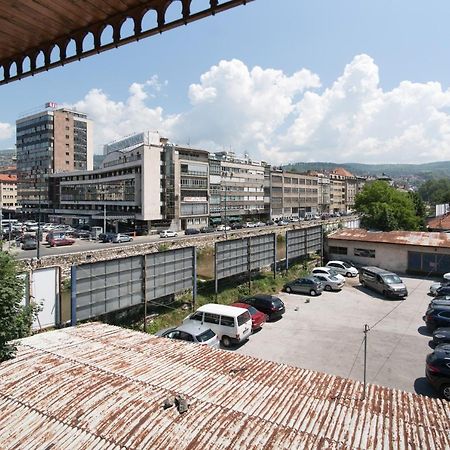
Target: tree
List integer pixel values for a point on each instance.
(420, 208)
(435, 192)
(15, 319)
(385, 208)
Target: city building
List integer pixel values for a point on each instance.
(236, 188)
(400, 251)
(144, 182)
(49, 141)
(8, 193)
(293, 194)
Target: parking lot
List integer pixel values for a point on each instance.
(325, 333)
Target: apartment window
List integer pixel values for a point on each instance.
(67, 136)
(67, 162)
(67, 128)
(67, 153)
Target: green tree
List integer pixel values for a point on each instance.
(435, 191)
(15, 319)
(385, 208)
(420, 208)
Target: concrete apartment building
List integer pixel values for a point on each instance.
(236, 188)
(144, 181)
(8, 193)
(49, 141)
(293, 194)
(345, 187)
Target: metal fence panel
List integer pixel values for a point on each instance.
(262, 251)
(314, 239)
(107, 286)
(169, 272)
(296, 243)
(231, 257)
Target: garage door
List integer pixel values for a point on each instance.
(428, 263)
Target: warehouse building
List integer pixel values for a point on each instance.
(103, 387)
(399, 251)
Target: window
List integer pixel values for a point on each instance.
(227, 321)
(364, 253)
(243, 318)
(338, 250)
(211, 318)
(197, 316)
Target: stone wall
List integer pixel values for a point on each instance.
(201, 241)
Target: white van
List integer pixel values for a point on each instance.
(231, 324)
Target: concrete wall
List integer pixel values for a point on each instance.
(387, 256)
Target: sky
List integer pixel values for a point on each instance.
(281, 80)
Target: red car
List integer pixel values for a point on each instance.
(258, 317)
(60, 241)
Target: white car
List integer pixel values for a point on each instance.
(445, 282)
(168, 233)
(343, 268)
(223, 228)
(330, 283)
(327, 271)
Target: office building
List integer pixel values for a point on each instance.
(293, 194)
(48, 142)
(236, 188)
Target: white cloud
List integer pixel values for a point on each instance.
(6, 131)
(281, 118)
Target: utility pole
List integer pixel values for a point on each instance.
(38, 240)
(104, 218)
(366, 330)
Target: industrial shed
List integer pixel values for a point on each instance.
(400, 251)
(99, 386)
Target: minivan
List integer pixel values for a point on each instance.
(232, 325)
(386, 283)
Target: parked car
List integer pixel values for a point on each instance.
(305, 285)
(259, 224)
(270, 223)
(106, 237)
(83, 234)
(223, 228)
(60, 242)
(120, 237)
(440, 301)
(327, 271)
(343, 268)
(258, 317)
(444, 282)
(437, 318)
(386, 283)
(232, 325)
(55, 235)
(329, 282)
(437, 369)
(443, 290)
(30, 244)
(168, 233)
(282, 223)
(441, 336)
(207, 230)
(192, 332)
(237, 226)
(270, 305)
(189, 231)
(249, 225)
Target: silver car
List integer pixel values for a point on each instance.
(330, 282)
(191, 332)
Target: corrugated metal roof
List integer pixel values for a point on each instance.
(440, 222)
(418, 238)
(98, 386)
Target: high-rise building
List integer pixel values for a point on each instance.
(49, 141)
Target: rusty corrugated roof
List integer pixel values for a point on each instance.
(417, 238)
(98, 386)
(440, 222)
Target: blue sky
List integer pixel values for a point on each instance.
(352, 102)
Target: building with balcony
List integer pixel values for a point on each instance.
(48, 142)
(236, 188)
(144, 181)
(293, 194)
(344, 201)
